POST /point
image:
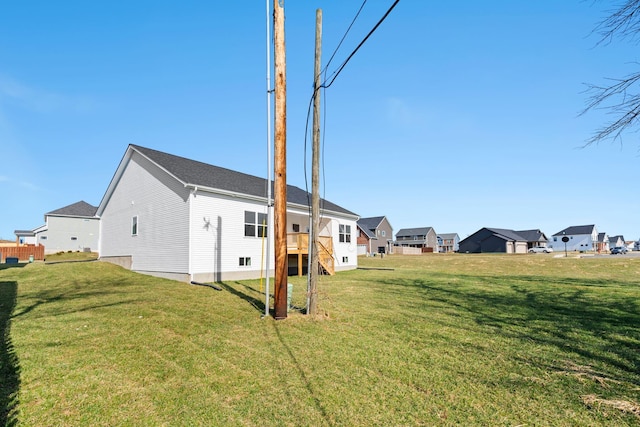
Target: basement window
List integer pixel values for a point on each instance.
(244, 261)
(345, 259)
(74, 238)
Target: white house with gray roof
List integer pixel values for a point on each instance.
(71, 228)
(174, 217)
(448, 242)
(581, 238)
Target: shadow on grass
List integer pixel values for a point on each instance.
(90, 293)
(303, 376)
(246, 293)
(18, 265)
(593, 318)
(9, 363)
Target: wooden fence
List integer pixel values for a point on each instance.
(22, 252)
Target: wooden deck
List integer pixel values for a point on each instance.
(298, 244)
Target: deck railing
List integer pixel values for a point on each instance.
(298, 243)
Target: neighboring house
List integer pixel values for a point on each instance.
(25, 237)
(71, 228)
(581, 238)
(364, 240)
(174, 217)
(423, 237)
(534, 238)
(448, 242)
(616, 241)
(375, 236)
(603, 243)
(494, 240)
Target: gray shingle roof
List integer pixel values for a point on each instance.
(508, 234)
(420, 231)
(447, 236)
(369, 233)
(370, 223)
(532, 235)
(205, 175)
(576, 229)
(81, 209)
(615, 238)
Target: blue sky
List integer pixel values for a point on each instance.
(472, 107)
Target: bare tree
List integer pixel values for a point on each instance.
(620, 97)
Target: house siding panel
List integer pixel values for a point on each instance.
(344, 250)
(61, 230)
(161, 204)
(219, 241)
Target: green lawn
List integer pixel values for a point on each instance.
(424, 340)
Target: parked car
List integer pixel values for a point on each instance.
(619, 250)
(540, 249)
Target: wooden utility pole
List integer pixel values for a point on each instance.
(315, 174)
(280, 165)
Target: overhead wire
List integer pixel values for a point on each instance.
(324, 70)
(326, 85)
(344, 64)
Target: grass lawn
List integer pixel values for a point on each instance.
(484, 340)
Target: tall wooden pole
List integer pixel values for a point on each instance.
(280, 165)
(269, 172)
(315, 173)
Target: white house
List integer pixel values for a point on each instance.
(179, 218)
(616, 241)
(71, 228)
(448, 242)
(580, 238)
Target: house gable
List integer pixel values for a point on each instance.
(191, 219)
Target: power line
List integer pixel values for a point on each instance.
(344, 37)
(344, 64)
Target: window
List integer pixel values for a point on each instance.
(345, 259)
(262, 225)
(244, 261)
(384, 233)
(249, 224)
(74, 238)
(255, 224)
(134, 226)
(555, 239)
(344, 233)
(296, 228)
(43, 237)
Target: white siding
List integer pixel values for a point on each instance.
(577, 242)
(345, 254)
(161, 204)
(218, 239)
(70, 234)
